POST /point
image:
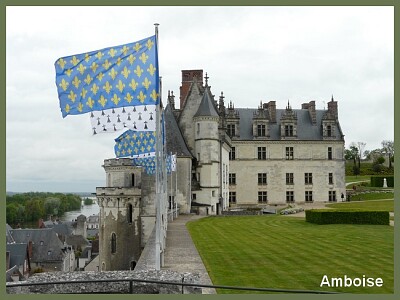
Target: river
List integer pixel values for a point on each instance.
(86, 210)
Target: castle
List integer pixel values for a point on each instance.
(227, 158)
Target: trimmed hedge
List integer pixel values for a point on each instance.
(377, 181)
(332, 216)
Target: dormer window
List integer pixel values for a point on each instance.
(231, 130)
(261, 130)
(329, 130)
(288, 130)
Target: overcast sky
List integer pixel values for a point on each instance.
(250, 53)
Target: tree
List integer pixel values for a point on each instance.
(360, 147)
(388, 149)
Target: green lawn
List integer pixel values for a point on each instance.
(385, 205)
(289, 253)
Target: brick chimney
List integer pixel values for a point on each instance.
(311, 109)
(332, 108)
(188, 77)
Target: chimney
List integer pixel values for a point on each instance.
(311, 109)
(188, 76)
(332, 108)
(271, 105)
(30, 250)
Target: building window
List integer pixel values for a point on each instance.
(261, 130)
(212, 193)
(288, 130)
(129, 213)
(113, 242)
(330, 178)
(231, 130)
(133, 179)
(41, 243)
(307, 178)
(262, 153)
(193, 196)
(289, 153)
(262, 178)
(329, 130)
(49, 252)
(289, 196)
(232, 178)
(308, 196)
(232, 197)
(330, 153)
(289, 178)
(332, 196)
(232, 154)
(198, 128)
(262, 197)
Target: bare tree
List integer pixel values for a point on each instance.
(388, 149)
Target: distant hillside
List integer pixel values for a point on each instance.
(81, 194)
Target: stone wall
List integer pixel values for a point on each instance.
(110, 287)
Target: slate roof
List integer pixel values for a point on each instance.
(9, 238)
(17, 253)
(46, 245)
(175, 141)
(306, 131)
(206, 107)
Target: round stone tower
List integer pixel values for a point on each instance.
(120, 228)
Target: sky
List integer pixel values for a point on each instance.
(251, 54)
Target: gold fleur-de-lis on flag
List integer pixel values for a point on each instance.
(81, 69)
(94, 67)
(100, 76)
(143, 58)
(119, 61)
(120, 86)
(80, 107)
(131, 59)
(95, 88)
(87, 57)
(64, 84)
(83, 93)
(113, 73)
(107, 87)
(61, 62)
(149, 44)
(146, 83)
(141, 97)
(90, 102)
(68, 72)
(67, 108)
(115, 99)
(112, 52)
(106, 64)
(74, 60)
(151, 69)
(76, 82)
(138, 71)
(133, 84)
(137, 47)
(72, 96)
(99, 55)
(125, 72)
(154, 95)
(125, 50)
(102, 101)
(88, 79)
(128, 98)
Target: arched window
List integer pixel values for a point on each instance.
(129, 213)
(113, 242)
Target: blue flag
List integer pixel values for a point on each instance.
(149, 164)
(120, 76)
(135, 144)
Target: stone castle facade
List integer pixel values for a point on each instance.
(227, 158)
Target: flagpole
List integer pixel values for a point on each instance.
(176, 183)
(158, 172)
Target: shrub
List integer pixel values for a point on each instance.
(330, 216)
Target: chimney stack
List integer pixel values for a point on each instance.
(188, 77)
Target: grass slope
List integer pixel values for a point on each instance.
(289, 253)
(380, 205)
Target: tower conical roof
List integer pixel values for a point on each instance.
(206, 107)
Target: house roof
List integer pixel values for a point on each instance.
(174, 138)
(207, 106)
(46, 244)
(305, 129)
(17, 253)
